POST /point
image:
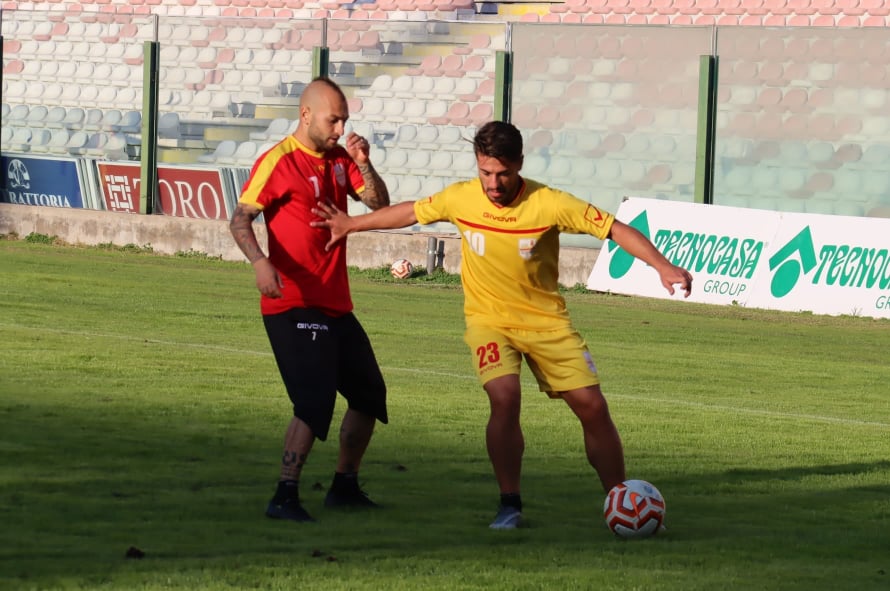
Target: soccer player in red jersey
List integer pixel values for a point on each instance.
(319, 345)
(510, 230)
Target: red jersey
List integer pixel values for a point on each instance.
(285, 184)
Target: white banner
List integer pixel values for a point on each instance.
(766, 259)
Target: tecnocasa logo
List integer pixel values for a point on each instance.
(842, 265)
(715, 254)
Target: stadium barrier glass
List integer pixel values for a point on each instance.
(607, 111)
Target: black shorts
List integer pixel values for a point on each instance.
(319, 355)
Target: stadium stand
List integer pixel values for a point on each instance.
(801, 108)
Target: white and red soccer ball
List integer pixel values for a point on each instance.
(634, 509)
(401, 269)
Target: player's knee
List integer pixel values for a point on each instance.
(588, 404)
(317, 414)
(505, 406)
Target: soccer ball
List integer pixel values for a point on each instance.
(634, 509)
(401, 269)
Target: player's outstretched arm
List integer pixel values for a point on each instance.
(341, 224)
(639, 246)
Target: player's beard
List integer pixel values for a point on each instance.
(323, 142)
(503, 195)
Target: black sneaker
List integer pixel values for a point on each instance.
(287, 509)
(348, 497)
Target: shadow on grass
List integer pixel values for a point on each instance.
(80, 487)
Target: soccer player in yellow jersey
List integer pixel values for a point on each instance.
(509, 269)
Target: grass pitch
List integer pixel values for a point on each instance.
(141, 413)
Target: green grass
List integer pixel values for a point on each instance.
(140, 407)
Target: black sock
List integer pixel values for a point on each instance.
(345, 480)
(287, 489)
(511, 500)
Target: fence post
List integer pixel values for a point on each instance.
(707, 116)
(148, 157)
(503, 85)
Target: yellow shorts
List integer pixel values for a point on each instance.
(559, 359)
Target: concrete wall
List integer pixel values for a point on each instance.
(168, 235)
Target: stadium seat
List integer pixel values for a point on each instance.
(6, 135)
(481, 113)
(440, 162)
(58, 142)
(418, 162)
(431, 185)
(464, 163)
(396, 159)
(17, 115)
(245, 154)
(426, 137)
(423, 87)
(458, 114)
(77, 142)
(277, 129)
(404, 137)
(130, 122)
(36, 116)
(393, 108)
(21, 139)
(402, 86)
(449, 138)
(436, 111)
(414, 111)
(223, 152)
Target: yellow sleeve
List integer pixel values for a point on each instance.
(435, 208)
(576, 216)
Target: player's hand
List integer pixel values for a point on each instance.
(267, 279)
(675, 275)
(333, 219)
(358, 148)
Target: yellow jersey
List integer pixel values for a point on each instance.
(510, 254)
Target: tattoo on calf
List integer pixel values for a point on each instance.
(291, 459)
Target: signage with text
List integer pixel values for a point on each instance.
(183, 192)
(776, 260)
(48, 182)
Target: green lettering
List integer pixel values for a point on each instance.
(876, 272)
(750, 262)
(704, 253)
(683, 248)
(726, 254)
(836, 265)
(874, 269)
(825, 255)
(660, 241)
(885, 276)
(862, 268)
(849, 266)
(672, 243)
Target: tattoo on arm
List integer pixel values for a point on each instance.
(241, 226)
(375, 195)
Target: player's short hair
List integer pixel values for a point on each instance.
(499, 139)
(330, 84)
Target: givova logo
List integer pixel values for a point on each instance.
(842, 265)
